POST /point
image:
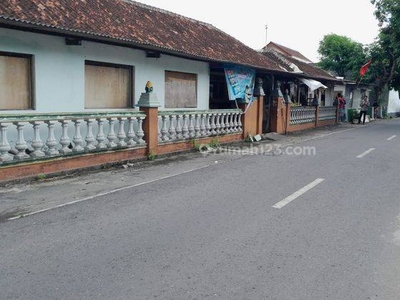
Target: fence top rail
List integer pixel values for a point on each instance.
(67, 116)
(207, 111)
(327, 107)
(302, 108)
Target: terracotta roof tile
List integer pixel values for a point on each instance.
(295, 66)
(287, 51)
(135, 23)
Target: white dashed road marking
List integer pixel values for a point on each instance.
(297, 194)
(391, 138)
(365, 153)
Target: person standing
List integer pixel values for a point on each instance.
(364, 107)
(344, 110)
(341, 104)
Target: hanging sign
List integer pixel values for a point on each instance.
(240, 82)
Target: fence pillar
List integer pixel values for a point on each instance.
(149, 104)
(249, 118)
(287, 119)
(278, 112)
(260, 113)
(252, 118)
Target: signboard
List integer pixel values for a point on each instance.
(240, 82)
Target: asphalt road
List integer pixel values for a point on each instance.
(318, 219)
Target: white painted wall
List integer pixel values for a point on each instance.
(329, 97)
(394, 102)
(59, 70)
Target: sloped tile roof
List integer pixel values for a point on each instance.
(287, 51)
(134, 24)
(297, 67)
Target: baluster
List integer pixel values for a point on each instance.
(131, 133)
(51, 141)
(223, 122)
(208, 125)
(37, 143)
(202, 125)
(140, 132)
(171, 130)
(294, 116)
(89, 135)
(231, 122)
(164, 131)
(197, 126)
(65, 140)
(159, 125)
(178, 127)
(185, 128)
(234, 120)
(77, 139)
(101, 137)
(111, 136)
(121, 132)
(191, 126)
(4, 145)
(21, 144)
(213, 127)
(228, 122)
(239, 121)
(218, 124)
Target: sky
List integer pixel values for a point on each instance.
(297, 24)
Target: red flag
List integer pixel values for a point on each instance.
(364, 68)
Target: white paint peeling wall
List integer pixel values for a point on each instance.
(59, 70)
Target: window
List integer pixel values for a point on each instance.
(108, 85)
(180, 90)
(15, 81)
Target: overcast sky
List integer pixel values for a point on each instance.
(297, 24)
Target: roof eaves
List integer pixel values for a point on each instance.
(62, 31)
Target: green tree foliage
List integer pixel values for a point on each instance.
(386, 51)
(341, 55)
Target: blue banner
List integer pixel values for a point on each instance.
(240, 82)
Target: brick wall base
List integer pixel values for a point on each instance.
(28, 171)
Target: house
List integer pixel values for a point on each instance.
(73, 77)
(303, 86)
(303, 81)
(353, 93)
(285, 51)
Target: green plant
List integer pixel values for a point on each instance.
(41, 176)
(196, 145)
(214, 143)
(151, 155)
(249, 137)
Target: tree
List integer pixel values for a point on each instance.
(341, 55)
(386, 50)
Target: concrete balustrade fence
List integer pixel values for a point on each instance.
(49, 144)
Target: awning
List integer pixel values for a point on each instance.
(313, 84)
